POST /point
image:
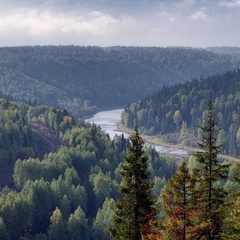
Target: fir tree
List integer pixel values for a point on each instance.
(210, 193)
(134, 211)
(178, 205)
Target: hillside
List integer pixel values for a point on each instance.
(232, 51)
(179, 110)
(27, 131)
(85, 79)
(51, 161)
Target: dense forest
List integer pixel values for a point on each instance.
(70, 192)
(198, 202)
(61, 176)
(182, 109)
(65, 174)
(234, 51)
(84, 79)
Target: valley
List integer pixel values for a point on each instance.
(56, 161)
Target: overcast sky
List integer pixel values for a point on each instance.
(193, 23)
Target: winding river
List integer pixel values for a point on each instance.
(108, 120)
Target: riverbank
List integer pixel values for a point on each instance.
(158, 140)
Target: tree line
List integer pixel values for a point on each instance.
(181, 108)
(84, 79)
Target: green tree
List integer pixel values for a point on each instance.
(178, 202)
(40, 236)
(40, 195)
(231, 224)
(3, 232)
(101, 187)
(65, 207)
(103, 220)
(57, 227)
(210, 193)
(77, 225)
(134, 211)
(17, 215)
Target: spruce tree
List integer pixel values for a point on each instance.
(178, 201)
(134, 211)
(210, 193)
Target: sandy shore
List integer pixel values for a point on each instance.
(157, 140)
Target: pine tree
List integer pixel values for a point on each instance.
(134, 211)
(210, 193)
(178, 201)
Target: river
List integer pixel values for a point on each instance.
(108, 120)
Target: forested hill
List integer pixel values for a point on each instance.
(181, 109)
(84, 79)
(233, 51)
(72, 187)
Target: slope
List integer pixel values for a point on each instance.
(178, 111)
(85, 79)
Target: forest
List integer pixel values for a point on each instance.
(64, 178)
(83, 80)
(75, 183)
(196, 203)
(70, 191)
(181, 109)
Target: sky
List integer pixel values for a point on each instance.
(161, 23)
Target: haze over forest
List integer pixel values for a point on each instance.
(162, 61)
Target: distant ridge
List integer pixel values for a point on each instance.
(86, 79)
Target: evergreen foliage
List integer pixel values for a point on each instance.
(16, 137)
(76, 183)
(84, 79)
(231, 223)
(211, 195)
(135, 209)
(231, 226)
(175, 112)
(78, 180)
(179, 205)
(194, 201)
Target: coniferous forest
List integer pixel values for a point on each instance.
(182, 109)
(85, 79)
(64, 178)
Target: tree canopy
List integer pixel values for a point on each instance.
(84, 79)
(178, 110)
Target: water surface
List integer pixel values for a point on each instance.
(108, 121)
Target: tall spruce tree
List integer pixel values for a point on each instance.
(178, 201)
(135, 210)
(210, 193)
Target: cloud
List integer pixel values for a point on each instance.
(107, 22)
(36, 22)
(185, 3)
(199, 15)
(231, 4)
